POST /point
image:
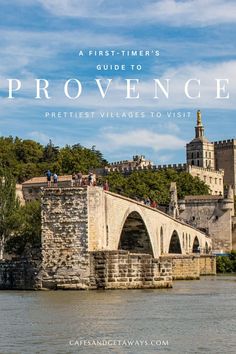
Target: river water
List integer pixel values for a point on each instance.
(193, 317)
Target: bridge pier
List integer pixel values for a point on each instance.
(125, 270)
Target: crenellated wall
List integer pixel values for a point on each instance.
(225, 155)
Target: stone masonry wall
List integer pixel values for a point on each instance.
(234, 232)
(185, 267)
(207, 265)
(124, 270)
(65, 256)
(211, 215)
(18, 274)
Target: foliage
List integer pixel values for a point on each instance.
(155, 185)
(226, 264)
(9, 207)
(29, 229)
(25, 159)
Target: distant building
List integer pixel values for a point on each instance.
(19, 194)
(200, 156)
(225, 158)
(138, 162)
(212, 162)
(213, 215)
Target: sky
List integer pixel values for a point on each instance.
(51, 40)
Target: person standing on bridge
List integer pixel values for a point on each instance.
(49, 176)
(90, 179)
(55, 180)
(153, 204)
(106, 186)
(80, 178)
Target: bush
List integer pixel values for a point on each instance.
(226, 264)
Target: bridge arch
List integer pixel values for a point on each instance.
(196, 245)
(134, 235)
(175, 246)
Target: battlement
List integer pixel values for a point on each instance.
(112, 168)
(118, 162)
(179, 166)
(138, 160)
(220, 171)
(225, 143)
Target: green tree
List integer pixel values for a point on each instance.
(25, 159)
(226, 264)
(29, 230)
(50, 152)
(155, 184)
(9, 208)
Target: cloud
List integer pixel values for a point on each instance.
(39, 136)
(25, 52)
(115, 101)
(168, 12)
(141, 138)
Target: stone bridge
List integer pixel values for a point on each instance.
(92, 237)
(116, 222)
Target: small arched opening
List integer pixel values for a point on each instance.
(161, 241)
(175, 246)
(196, 245)
(206, 248)
(134, 236)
